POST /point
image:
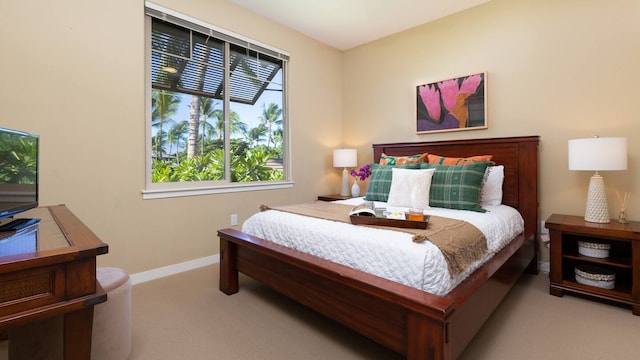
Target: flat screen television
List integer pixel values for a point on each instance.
(18, 171)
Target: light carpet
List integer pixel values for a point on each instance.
(185, 316)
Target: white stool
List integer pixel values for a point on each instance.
(111, 337)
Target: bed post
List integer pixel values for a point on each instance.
(528, 189)
(426, 338)
(228, 266)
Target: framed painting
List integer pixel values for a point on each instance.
(453, 104)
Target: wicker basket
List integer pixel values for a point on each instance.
(598, 250)
(595, 276)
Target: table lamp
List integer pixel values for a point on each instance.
(597, 154)
(345, 158)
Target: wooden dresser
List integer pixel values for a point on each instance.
(49, 269)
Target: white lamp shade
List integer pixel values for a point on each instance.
(345, 158)
(598, 154)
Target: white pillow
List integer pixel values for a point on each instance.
(491, 189)
(410, 188)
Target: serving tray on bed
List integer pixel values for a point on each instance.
(381, 221)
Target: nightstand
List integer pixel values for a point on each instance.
(333, 197)
(623, 258)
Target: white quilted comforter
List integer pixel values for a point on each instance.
(385, 253)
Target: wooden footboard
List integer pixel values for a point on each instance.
(407, 320)
(377, 308)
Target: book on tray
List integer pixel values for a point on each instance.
(368, 208)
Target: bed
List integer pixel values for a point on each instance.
(412, 322)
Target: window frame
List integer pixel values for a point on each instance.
(193, 188)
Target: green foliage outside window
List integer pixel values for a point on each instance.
(249, 166)
(250, 151)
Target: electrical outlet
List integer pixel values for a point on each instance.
(234, 219)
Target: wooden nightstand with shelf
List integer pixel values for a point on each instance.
(623, 258)
(333, 197)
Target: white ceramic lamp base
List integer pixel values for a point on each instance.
(344, 191)
(597, 209)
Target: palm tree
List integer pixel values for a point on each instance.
(270, 116)
(211, 132)
(207, 110)
(164, 104)
(235, 125)
(194, 122)
(194, 110)
(158, 142)
(278, 140)
(176, 135)
(255, 135)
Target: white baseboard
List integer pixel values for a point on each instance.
(169, 270)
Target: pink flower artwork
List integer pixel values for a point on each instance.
(470, 84)
(452, 104)
(431, 99)
(450, 91)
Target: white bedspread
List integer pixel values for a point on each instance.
(386, 253)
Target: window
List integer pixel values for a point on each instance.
(216, 109)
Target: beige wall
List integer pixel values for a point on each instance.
(77, 79)
(558, 69)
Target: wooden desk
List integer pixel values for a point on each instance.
(50, 270)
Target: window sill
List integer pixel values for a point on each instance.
(238, 187)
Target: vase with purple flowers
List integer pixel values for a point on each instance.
(362, 174)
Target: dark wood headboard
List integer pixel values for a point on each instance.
(519, 155)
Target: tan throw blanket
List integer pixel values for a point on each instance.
(460, 242)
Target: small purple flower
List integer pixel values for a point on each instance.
(362, 174)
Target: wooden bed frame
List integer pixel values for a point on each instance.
(412, 322)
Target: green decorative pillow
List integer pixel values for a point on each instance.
(456, 186)
(380, 181)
